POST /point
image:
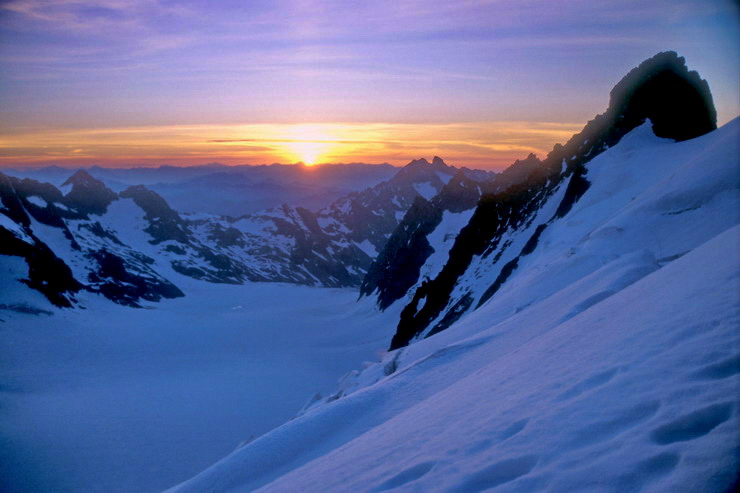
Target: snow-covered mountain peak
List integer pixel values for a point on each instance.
(83, 179)
(88, 195)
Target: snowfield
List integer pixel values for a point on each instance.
(607, 362)
(115, 399)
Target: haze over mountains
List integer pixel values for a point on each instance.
(241, 189)
(568, 324)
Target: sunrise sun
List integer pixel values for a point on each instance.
(308, 143)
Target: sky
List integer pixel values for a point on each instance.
(478, 82)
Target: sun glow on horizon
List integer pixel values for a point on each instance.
(489, 145)
(308, 143)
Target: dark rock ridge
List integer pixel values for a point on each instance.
(662, 89)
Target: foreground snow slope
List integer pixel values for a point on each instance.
(608, 361)
(115, 399)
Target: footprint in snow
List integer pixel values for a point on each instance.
(647, 471)
(406, 476)
(499, 437)
(591, 382)
(722, 369)
(619, 422)
(693, 425)
(513, 429)
(497, 474)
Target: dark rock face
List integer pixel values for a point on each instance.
(114, 281)
(398, 265)
(225, 237)
(494, 215)
(12, 206)
(164, 222)
(661, 89)
(47, 273)
(403, 255)
(461, 193)
(88, 195)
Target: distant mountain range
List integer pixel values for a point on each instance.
(130, 246)
(241, 189)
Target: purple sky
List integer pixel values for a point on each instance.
(126, 66)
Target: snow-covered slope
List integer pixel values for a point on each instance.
(606, 362)
(118, 400)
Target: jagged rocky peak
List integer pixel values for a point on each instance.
(662, 89)
(421, 170)
(83, 179)
(438, 164)
(531, 160)
(520, 171)
(419, 162)
(88, 194)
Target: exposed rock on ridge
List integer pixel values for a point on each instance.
(662, 89)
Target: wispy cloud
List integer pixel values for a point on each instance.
(119, 62)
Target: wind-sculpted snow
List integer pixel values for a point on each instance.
(606, 362)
